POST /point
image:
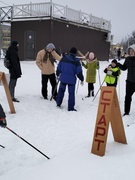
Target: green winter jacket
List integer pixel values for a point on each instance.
(91, 67)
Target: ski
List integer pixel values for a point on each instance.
(86, 97)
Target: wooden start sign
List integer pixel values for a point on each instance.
(5, 84)
(108, 111)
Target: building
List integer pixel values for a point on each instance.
(5, 36)
(36, 25)
(113, 51)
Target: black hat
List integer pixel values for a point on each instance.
(14, 43)
(114, 61)
(73, 50)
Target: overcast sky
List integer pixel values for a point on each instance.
(121, 13)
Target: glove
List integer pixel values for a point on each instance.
(109, 72)
(83, 64)
(3, 122)
(82, 83)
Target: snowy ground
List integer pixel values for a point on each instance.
(66, 137)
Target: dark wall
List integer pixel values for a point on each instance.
(63, 35)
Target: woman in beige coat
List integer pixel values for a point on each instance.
(45, 61)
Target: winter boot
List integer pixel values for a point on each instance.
(88, 95)
(15, 100)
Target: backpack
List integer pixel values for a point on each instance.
(7, 62)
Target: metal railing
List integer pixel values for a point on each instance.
(48, 9)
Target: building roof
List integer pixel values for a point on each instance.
(42, 11)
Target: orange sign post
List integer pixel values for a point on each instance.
(108, 111)
(5, 84)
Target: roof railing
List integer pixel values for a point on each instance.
(49, 9)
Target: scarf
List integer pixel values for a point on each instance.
(49, 56)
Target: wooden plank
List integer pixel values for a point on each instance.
(81, 54)
(116, 121)
(102, 123)
(8, 95)
(108, 111)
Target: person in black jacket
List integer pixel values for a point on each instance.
(129, 65)
(3, 122)
(15, 69)
(119, 54)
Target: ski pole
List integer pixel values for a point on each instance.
(98, 91)
(99, 77)
(77, 86)
(2, 146)
(54, 89)
(27, 142)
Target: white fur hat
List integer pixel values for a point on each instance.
(131, 47)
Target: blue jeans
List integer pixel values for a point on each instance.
(71, 96)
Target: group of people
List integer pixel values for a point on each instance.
(68, 70)
(114, 70)
(70, 67)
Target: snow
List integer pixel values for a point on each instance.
(65, 137)
(1, 54)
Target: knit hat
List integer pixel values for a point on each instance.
(14, 43)
(114, 61)
(131, 47)
(73, 50)
(91, 56)
(50, 46)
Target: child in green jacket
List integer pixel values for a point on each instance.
(92, 64)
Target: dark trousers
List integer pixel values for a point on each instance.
(44, 82)
(12, 85)
(111, 84)
(130, 89)
(90, 88)
(71, 96)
